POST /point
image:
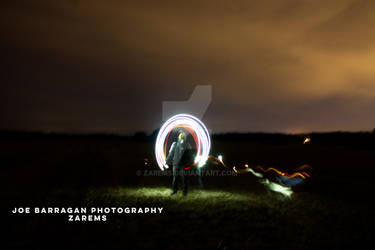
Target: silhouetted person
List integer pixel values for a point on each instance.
(180, 155)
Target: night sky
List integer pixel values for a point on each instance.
(106, 66)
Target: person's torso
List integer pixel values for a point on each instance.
(179, 152)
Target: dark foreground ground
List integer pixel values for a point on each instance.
(332, 210)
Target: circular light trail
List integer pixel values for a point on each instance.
(195, 127)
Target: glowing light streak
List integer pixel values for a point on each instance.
(286, 191)
(289, 179)
(247, 170)
(195, 127)
(295, 174)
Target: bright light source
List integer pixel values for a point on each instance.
(307, 140)
(188, 121)
(220, 157)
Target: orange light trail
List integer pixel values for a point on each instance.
(295, 174)
(191, 131)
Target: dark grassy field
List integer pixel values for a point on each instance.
(332, 210)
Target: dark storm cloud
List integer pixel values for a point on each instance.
(106, 66)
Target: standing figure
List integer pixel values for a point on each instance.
(180, 156)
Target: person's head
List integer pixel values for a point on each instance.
(181, 135)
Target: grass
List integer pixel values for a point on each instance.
(213, 218)
(332, 211)
(227, 219)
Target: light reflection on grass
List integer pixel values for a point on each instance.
(207, 197)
